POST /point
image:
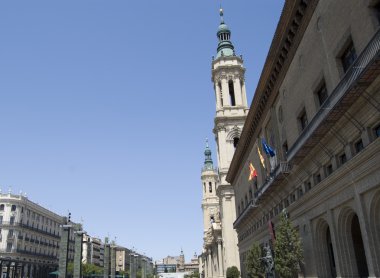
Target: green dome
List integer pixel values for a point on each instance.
(208, 165)
(225, 47)
(223, 28)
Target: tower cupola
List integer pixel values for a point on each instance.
(225, 46)
(208, 165)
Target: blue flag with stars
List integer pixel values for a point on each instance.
(267, 149)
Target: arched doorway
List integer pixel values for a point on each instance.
(357, 241)
(326, 262)
(330, 251)
(353, 251)
(375, 232)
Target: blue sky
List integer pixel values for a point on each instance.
(105, 107)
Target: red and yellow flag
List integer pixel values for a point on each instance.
(252, 172)
(261, 157)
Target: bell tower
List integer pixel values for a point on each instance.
(210, 202)
(231, 112)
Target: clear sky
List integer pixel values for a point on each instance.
(105, 106)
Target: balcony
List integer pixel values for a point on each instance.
(275, 178)
(358, 78)
(7, 223)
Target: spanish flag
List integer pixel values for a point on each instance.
(252, 172)
(261, 157)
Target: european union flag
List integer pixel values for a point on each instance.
(268, 150)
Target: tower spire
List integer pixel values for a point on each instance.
(225, 47)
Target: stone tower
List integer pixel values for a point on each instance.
(210, 202)
(231, 112)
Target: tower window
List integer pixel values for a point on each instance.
(232, 92)
(210, 187)
(204, 187)
(236, 141)
(221, 93)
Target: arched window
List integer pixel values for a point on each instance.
(221, 93)
(250, 195)
(236, 141)
(13, 208)
(204, 187)
(210, 187)
(246, 200)
(2, 207)
(232, 92)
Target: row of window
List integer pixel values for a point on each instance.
(231, 92)
(209, 187)
(317, 177)
(2, 207)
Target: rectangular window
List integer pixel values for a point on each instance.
(322, 94)
(377, 129)
(342, 159)
(285, 148)
(12, 220)
(376, 9)
(292, 197)
(9, 247)
(300, 192)
(348, 57)
(302, 119)
(358, 146)
(307, 186)
(329, 169)
(317, 178)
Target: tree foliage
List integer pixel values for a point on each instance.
(88, 269)
(195, 274)
(253, 263)
(233, 272)
(287, 249)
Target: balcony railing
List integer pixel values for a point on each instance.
(359, 76)
(278, 174)
(29, 227)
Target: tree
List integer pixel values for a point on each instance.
(194, 274)
(233, 272)
(287, 249)
(88, 269)
(253, 263)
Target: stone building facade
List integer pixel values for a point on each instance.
(29, 238)
(317, 104)
(93, 251)
(218, 200)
